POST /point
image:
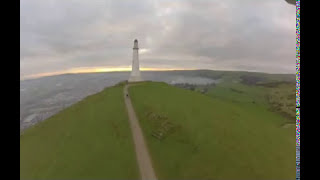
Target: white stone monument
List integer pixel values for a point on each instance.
(135, 73)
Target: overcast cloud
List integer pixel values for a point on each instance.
(253, 35)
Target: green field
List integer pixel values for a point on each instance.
(276, 92)
(89, 140)
(219, 135)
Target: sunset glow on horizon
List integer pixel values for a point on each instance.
(97, 70)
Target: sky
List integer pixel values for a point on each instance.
(74, 36)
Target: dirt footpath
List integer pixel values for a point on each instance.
(143, 157)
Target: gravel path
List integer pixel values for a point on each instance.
(143, 158)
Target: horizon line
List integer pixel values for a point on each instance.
(122, 69)
(85, 70)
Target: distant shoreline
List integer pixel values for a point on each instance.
(64, 74)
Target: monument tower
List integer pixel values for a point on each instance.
(135, 73)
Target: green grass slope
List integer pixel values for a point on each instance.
(238, 92)
(278, 97)
(282, 100)
(194, 136)
(89, 140)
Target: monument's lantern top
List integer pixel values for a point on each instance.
(135, 44)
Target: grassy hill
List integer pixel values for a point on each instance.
(278, 97)
(228, 132)
(89, 140)
(276, 92)
(193, 136)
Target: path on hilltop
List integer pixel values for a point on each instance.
(143, 158)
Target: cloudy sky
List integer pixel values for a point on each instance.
(63, 36)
